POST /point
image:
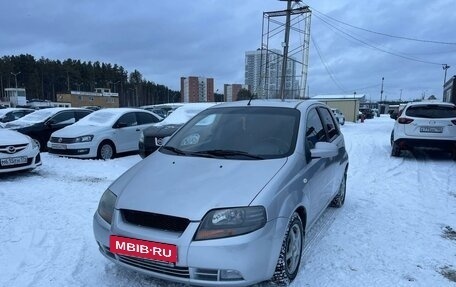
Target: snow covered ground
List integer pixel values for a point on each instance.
(397, 227)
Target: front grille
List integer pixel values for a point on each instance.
(155, 266)
(61, 140)
(13, 148)
(154, 220)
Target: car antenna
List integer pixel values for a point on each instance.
(251, 97)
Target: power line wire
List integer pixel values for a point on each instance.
(385, 34)
(326, 67)
(377, 48)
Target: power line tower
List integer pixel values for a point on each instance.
(289, 29)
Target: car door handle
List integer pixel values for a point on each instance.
(138, 130)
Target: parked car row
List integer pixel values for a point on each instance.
(287, 158)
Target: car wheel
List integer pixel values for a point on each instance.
(395, 150)
(41, 146)
(290, 254)
(106, 150)
(339, 199)
(343, 122)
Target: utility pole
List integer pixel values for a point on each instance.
(445, 67)
(15, 78)
(285, 50)
(381, 97)
(400, 96)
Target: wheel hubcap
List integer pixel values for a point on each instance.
(106, 152)
(294, 245)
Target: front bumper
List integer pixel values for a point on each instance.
(78, 150)
(33, 161)
(254, 255)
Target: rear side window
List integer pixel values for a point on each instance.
(431, 111)
(328, 123)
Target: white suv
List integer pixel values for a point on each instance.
(425, 124)
(339, 116)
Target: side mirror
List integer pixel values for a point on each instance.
(324, 150)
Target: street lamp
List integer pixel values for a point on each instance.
(355, 118)
(15, 77)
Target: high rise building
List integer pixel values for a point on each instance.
(231, 91)
(263, 73)
(197, 89)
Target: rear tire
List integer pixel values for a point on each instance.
(290, 254)
(106, 151)
(395, 150)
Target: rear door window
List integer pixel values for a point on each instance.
(431, 111)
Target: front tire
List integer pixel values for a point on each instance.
(290, 254)
(106, 151)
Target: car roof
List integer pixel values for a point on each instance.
(293, 104)
(425, 103)
(121, 110)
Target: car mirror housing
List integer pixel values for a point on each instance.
(324, 150)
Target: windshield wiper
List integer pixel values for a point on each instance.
(225, 153)
(175, 150)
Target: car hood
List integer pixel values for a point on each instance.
(191, 186)
(8, 137)
(161, 130)
(72, 131)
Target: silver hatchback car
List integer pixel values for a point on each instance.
(228, 199)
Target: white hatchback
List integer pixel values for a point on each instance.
(425, 125)
(17, 152)
(102, 134)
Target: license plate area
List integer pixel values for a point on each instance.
(58, 146)
(431, 129)
(143, 249)
(13, 161)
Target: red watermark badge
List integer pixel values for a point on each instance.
(143, 249)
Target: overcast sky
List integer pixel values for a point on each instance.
(165, 40)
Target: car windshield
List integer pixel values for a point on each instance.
(238, 133)
(431, 111)
(37, 116)
(98, 118)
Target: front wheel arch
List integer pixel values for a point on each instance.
(100, 147)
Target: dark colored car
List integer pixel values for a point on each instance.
(12, 114)
(368, 113)
(40, 124)
(152, 138)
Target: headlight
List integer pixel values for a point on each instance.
(229, 222)
(141, 137)
(33, 142)
(87, 138)
(106, 205)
